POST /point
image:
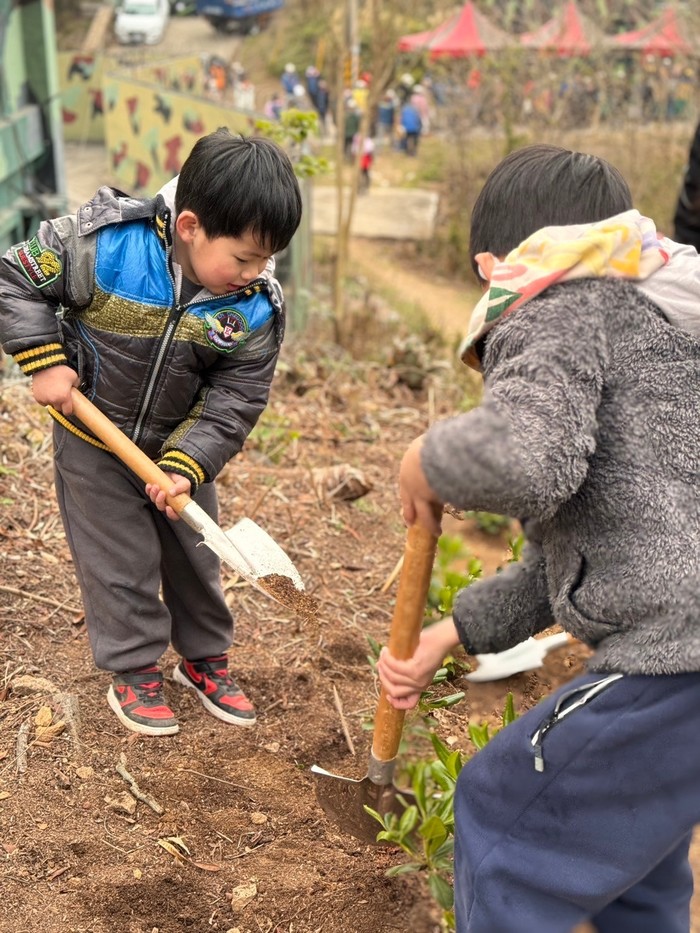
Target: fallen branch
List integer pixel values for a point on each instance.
(35, 596)
(134, 788)
(70, 710)
(343, 723)
(210, 777)
(22, 742)
(393, 575)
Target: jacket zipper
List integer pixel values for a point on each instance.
(585, 693)
(165, 341)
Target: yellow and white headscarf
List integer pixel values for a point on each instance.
(624, 246)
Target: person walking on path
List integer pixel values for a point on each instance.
(411, 125)
(366, 162)
(588, 337)
(172, 324)
(351, 128)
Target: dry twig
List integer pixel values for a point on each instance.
(13, 591)
(393, 575)
(134, 788)
(22, 742)
(343, 723)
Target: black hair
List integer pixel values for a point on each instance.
(542, 186)
(237, 185)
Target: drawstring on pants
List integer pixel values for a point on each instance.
(585, 693)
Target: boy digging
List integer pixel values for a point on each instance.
(165, 312)
(589, 432)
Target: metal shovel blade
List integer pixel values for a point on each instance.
(343, 800)
(261, 552)
(527, 656)
(256, 557)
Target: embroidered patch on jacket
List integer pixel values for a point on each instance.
(226, 330)
(41, 266)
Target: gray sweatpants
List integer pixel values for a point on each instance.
(124, 551)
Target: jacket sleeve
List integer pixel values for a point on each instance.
(503, 610)
(37, 278)
(686, 219)
(525, 449)
(234, 396)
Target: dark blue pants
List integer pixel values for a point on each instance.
(601, 834)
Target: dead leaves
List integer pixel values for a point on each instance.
(46, 728)
(176, 846)
(340, 482)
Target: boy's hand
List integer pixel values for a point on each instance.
(158, 496)
(52, 387)
(418, 501)
(404, 681)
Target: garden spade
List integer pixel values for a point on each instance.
(246, 548)
(344, 799)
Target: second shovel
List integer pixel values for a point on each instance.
(344, 799)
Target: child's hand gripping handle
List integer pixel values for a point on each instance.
(406, 625)
(125, 449)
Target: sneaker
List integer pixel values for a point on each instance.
(217, 690)
(137, 699)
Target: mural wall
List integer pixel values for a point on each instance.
(150, 131)
(81, 78)
(148, 116)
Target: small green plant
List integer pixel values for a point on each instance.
(272, 436)
(489, 522)
(481, 734)
(516, 546)
(425, 829)
(447, 581)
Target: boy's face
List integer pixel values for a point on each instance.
(221, 264)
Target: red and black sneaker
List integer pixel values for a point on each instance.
(218, 691)
(137, 699)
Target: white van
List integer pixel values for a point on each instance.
(141, 21)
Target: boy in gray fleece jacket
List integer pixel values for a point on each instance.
(589, 432)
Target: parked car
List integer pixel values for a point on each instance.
(141, 21)
(246, 16)
(183, 7)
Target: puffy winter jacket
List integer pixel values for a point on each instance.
(97, 291)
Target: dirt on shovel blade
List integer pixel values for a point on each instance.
(284, 590)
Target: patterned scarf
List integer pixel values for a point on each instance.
(625, 246)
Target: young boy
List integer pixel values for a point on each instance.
(589, 432)
(171, 321)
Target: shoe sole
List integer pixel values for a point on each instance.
(141, 728)
(210, 707)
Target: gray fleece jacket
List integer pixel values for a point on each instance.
(589, 432)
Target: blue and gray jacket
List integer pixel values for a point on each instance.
(100, 293)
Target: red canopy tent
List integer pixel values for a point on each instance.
(418, 41)
(465, 34)
(568, 33)
(667, 35)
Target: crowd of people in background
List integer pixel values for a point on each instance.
(566, 94)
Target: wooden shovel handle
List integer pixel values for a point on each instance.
(124, 448)
(406, 625)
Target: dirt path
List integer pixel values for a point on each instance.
(445, 304)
